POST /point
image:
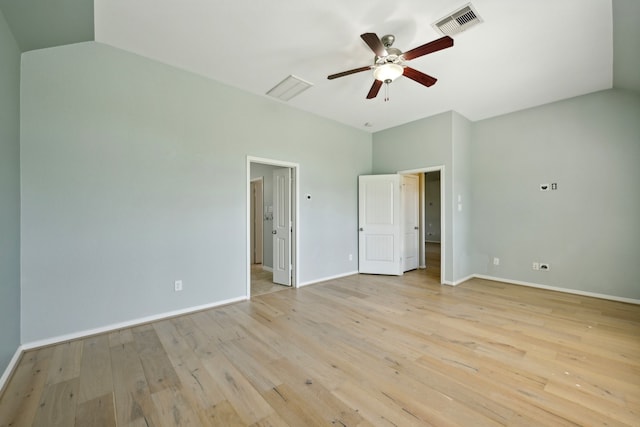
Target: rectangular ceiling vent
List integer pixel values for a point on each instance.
(289, 87)
(458, 21)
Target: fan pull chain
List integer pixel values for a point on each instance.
(386, 91)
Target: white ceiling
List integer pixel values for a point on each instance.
(525, 53)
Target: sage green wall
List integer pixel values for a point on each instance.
(461, 144)
(588, 229)
(9, 195)
(134, 175)
(418, 145)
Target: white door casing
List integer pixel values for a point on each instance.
(379, 222)
(411, 222)
(282, 226)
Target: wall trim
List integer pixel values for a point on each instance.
(265, 268)
(8, 372)
(337, 276)
(128, 324)
(557, 289)
(457, 282)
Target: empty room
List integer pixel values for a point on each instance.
(399, 213)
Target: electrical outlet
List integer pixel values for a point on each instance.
(496, 261)
(544, 266)
(535, 266)
(177, 285)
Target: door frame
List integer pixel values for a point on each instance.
(295, 214)
(443, 218)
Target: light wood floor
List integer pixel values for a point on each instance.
(262, 281)
(357, 351)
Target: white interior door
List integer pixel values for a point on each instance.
(379, 224)
(411, 222)
(282, 226)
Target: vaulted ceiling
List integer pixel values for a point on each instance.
(523, 54)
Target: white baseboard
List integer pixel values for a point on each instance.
(4, 379)
(123, 325)
(457, 282)
(557, 289)
(337, 276)
(266, 268)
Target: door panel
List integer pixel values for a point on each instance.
(411, 221)
(379, 224)
(282, 226)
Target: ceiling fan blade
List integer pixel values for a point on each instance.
(373, 41)
(375, 88)
(418, 76)
(434, 46)
(346, 73)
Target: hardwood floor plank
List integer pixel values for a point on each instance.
(158, 370)
(98, 412)
(273, 420)
(196, 383)
(65, 362)
(222, 414)
(95, 370)
(370, 405)
(246, 400)
(292, 408)
(172, 409)
(58, 404)
(312, 391)
(131, 391)
(20, 400)
(120, 337)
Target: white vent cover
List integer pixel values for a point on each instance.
(458, 21)
(289, 87)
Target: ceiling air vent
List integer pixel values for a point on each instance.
(458, 21)
(289, 87)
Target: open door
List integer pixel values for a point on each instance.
(282, 226)
(379, 221)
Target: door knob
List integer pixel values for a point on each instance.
(274, 232)
(361, 229)
(415, 228)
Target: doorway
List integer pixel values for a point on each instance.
(431, 220)
(273, 252)
(432, 223)
(392, 224)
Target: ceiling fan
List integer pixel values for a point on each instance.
(389, 62)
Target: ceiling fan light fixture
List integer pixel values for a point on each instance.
(388, 72)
